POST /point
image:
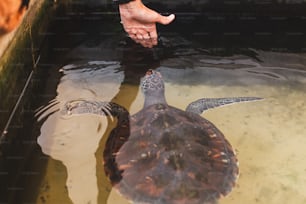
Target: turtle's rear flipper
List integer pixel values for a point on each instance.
(199, 106)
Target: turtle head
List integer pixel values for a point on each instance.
(153, 88)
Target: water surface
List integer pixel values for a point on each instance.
(268, 135)
(86, 55)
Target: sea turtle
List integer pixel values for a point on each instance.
(164, 155)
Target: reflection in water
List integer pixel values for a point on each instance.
(75, 140)
(269, 136)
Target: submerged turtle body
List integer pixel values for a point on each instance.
(172, 156)
(164, 155)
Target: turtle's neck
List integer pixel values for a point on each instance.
(155, 97)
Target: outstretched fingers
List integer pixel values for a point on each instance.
(144, 35)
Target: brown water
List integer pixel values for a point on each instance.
(268, 135)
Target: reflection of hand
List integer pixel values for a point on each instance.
(10, 14)
(140, 22)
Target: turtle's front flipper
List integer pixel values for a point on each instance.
(199, 106)
(79, 107)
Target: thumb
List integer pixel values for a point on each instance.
(165, 19)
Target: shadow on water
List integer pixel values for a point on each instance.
(200, 53)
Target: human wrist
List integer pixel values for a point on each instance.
(120, 2)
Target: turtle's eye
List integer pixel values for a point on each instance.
(145, 86)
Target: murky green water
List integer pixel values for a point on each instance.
(268, 135)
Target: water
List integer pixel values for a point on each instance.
(268, 135)
(81, 60)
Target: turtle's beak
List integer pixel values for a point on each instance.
(152, 72)
(149, 72)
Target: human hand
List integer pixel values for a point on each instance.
(140, 22)
(11, 14)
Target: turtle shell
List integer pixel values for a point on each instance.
(166, 155)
